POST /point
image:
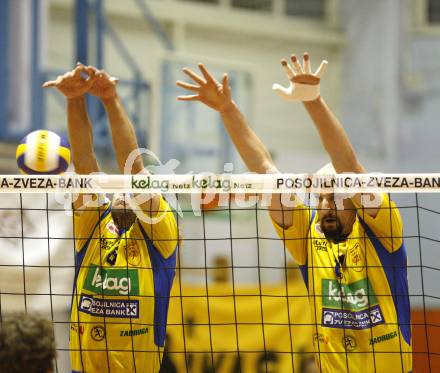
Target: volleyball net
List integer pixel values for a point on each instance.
(238, 302)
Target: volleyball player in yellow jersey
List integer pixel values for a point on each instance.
(124, 264)
(353, 259)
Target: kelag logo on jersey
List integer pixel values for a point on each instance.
(351, 306)
(112, 281)
(353, 297)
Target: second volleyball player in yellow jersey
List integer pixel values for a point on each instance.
(352, 256)
(125, 259)
(354, 268)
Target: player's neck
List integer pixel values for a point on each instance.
(340, 239)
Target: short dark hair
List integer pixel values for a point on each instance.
(27, 344)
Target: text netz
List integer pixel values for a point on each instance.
(195, 183)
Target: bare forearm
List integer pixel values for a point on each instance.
(81, 136)
(253, 152)
(123, 135)
(333, 137)
(125, 143)
(256, 156)
(337, 144)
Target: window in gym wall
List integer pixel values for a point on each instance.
(262, 5)
(434, 11)
(203, 1)
(306, 8)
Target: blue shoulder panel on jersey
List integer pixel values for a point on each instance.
(305, 275)
(305, 267)
(163, 276)
(395, 267)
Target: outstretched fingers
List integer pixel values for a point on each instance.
(209, 78)
(321, 69)
(189, 87)
(296, 66)
(49, 84)
(193, 76)
(188, 98)
(287, 69)
(53, 83)
(306, 63)
(226, 86)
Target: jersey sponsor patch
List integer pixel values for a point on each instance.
(320, 338)
(350, 306)
(133, 333)
(112, 281)
(74, 327)
(105, 244)
(133, 255)
(336, 318)
(320, 244)
(111, 258)
(349, 342)
(97, 333)
(109, 307)
(352, 297)
(355, 258)
(383, 338)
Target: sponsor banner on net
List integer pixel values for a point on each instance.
(221, 183)
(337, 318)
(112, 281)
(109, 307)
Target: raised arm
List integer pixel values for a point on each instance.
(218, 96)
(74, 87)
(254, 153)
(305, 87)
(333, 137)
(123, 134)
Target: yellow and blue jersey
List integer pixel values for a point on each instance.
(121, 291)
(357, 289)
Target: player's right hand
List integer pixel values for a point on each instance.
(304, 85)
(104, 85)
(208, 90)
(74, 83)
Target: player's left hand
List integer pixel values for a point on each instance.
(304, 85)
(104, 85)
(208, 90)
